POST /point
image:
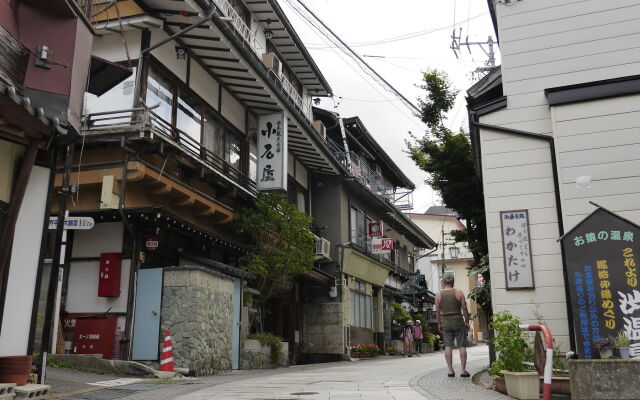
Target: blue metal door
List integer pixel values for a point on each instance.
(146, 321)
(235, 327)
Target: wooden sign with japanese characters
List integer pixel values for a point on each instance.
(272, 152)
(601, 253)
(516, 243)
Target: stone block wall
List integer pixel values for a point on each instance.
(323, 329)
(256, 356)
(197, 308)
(361, 336)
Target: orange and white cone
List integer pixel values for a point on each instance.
(166, 360)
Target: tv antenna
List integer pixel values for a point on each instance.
(457, 43)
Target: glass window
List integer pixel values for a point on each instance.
(352, 308)
(160, 91)
(189, 116)
(120, 97)
(214, 135)
(368, 311)
(233, 150)
(360, 313)
(253, 160)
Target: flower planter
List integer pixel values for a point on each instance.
(624, 352)
(362, 355)
(15, 369)
(559, 385)
(605, 354)
(522, 385)
(499, 385)
(427, 348)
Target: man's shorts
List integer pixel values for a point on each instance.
(457, 333)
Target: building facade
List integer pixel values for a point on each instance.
(554, 128)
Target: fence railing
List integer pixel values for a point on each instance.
(229, 13)
(145, 120)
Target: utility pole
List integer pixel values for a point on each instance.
(490, 64)
(443, 252)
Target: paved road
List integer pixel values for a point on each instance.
(387, 378)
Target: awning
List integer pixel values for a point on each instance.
(104, 75)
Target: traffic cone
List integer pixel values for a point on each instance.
(166, 360)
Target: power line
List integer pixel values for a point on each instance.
(406, 101)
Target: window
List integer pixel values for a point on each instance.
(233, 150)
(189, 116)
(358, 231)
(214, 135)
(160, 91)
(297, 195)
(120, 97)
(253, 160)
(360, 313)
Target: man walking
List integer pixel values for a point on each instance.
(453, 322)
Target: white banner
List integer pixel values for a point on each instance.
(380, 245)
(516, 243)
(272, 152)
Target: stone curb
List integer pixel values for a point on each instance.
(95, 363)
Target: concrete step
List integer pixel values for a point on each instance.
(32, 391)
(7, 389)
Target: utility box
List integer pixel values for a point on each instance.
(94, 335)
(109, 278)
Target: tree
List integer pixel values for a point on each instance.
(282, 247)
(447, 157)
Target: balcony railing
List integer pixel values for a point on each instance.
(229, 13)
(363, 243)
(400, 198)
(143, 120)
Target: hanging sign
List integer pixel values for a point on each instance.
(75, 223)
(381, 245)
(151, 244)
(516, 244)
(272, 152)
(601, 254)
(376, 229)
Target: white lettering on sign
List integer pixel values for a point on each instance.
(73, 223)
(151, 244)
(516, 243)
(381, 245)
(271, 171)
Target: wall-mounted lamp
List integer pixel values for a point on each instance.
(316, 100)
(181, 53)
(268, 33)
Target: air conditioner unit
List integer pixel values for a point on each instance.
(323, 248)
(321, 129)
(273, 63)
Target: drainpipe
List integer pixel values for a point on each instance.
(473, 122)
(345, 143)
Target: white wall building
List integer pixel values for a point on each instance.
(555, 127)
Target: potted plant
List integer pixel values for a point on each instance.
(621, 341)
(513, 350)
(364, 350)
(605, 347)
(391, 351)
(429, 341)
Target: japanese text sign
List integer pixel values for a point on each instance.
(516, 244)
(381, 245)
(272, 152)
(601, 253)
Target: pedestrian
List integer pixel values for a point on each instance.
(406, 334)
(418, 336)
(453, 322)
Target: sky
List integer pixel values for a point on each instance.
(413, 36)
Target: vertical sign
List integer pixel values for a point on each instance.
(601, 255)
(516, 244)
(272, 152)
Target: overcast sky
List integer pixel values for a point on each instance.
(424, 27)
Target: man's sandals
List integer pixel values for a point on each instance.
(463, 375)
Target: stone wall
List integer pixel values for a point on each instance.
(323, 328)
(197, 308)
(256, 356)
(604, 379)
(361, 336)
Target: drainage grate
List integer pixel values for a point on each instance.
(304, 393)
(105, 394)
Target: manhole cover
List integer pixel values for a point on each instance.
(304, 393)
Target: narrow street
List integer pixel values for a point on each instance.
(392, 378)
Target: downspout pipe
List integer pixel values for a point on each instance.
(473, 122)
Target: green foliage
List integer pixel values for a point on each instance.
(481, 294)
(267, 339)
(447, 158)
(441, 97)
(399, 314)
(430, 337)
(365, 348)
(282, 245)
(509, 343)
(621, 340)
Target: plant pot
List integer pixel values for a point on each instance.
(362, 355)
(559, 385)
(499, 385)
(522, 385)
(624, 352)
(15, 369)
(605, 354)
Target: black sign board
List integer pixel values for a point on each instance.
(601, 253)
